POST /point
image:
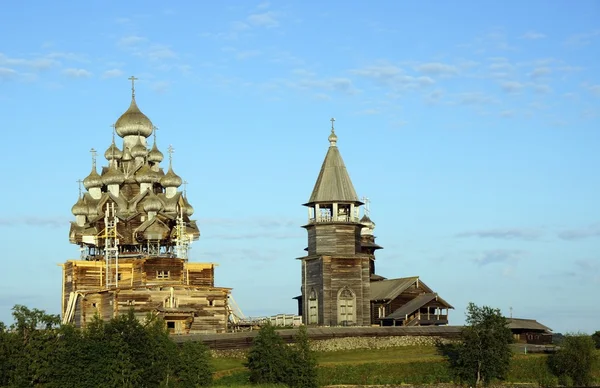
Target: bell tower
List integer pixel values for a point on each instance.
(336, 271)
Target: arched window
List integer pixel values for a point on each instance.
(346, 307)
(313, 307)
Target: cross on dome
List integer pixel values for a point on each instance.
(332, 137)
(133, 79)
(93, 152)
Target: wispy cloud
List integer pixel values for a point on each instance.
(540, 72)
(511, 86)
(505, 234)
(436, 68)
(51, 222)
(77, 73)
(583, 39)
(7, 74)
(475, 98)
(594, 89)
(532, 35)
(112, 73)
(37, 63)
(581, 233)
(266, 19)
(498, 256)
(131, 40)
(392, 76)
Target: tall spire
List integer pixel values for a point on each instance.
(333, 183)
(133, 79)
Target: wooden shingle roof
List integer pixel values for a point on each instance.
(526, 324)
(333, 183)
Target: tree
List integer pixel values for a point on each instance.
(574, 360)
(302, 362)
(194, 368)
(596, 338)
(267, 359)
(484, 354)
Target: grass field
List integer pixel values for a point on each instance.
(399, 365)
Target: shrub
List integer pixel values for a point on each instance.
(574, 360)
(596, 338)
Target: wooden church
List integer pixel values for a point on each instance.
(133, 226)
(339, 284)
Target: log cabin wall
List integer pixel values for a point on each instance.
(353, 274)
(144, 287)
(334, 239)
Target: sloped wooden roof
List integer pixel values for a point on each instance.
(333, 183)
(526, 324)
(390, 288)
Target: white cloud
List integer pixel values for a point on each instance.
(594, 89)
(542, 89)
(475, 98)
(436, 68)
(161, 87)
(131, 40)
(40, 63)
(267, 19)
(533, 35)
(393, 77)
(77, 73)
(112, 73)
(160, 52)
(7, 74)
(511, 86)
(583, 39)
(540, 72)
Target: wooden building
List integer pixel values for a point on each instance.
(530, 331)
(134, 230)
(339, 283)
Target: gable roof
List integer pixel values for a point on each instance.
(333, 183)
(526, 324)
(412, 306)
(391, 288)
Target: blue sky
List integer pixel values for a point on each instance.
(473, 127)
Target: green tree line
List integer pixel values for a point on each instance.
(36, 351)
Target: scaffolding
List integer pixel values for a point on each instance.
(182, 238)
(111, 246)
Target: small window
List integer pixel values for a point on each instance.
(382, 311)
(170, 325)
(118, 276)
(163, 274)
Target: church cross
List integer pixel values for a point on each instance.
(93, 152)
(332, 121)
(367, 203)
(79, 181)
(171, 150)
(133, 79)
(185, 183)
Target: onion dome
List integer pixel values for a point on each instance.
(170, 179)
(187, 208)
(138, 149)
(133, 122)
(155, 155)
(152, 203)
(113, 152)
(80, 208)
(93, 180)
(126, 155)
(113, 176)
(146, 175)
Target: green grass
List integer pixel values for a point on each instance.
(403, 364)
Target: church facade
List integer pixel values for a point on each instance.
(134, 229)
(339, 284)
